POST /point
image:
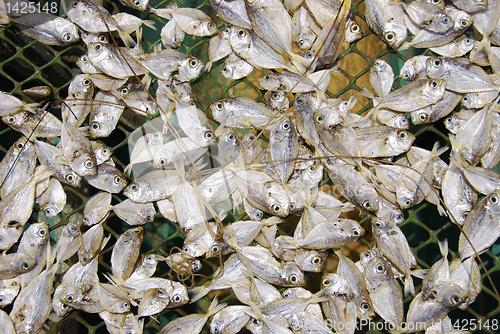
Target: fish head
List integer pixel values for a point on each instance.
(462, 19)
(452, 295)
(443, 23)
(141, 5)
(313, 174)
(296, 321)
(380, 66)
(66, 31)
(24, 263)
(179, 296)
(209, 28)
(101, 152)
(38, 233)
(452, 123)
(334, 284)
(469, 100)
(466, 44)
(50, 210)
(493, 205)
(270, 82)
(311, 260)
(292, 275)
(99, 129)
(278, 100)
(15, 120)
(189, 68)
(380, 226)
(220, 109)
(59, 307)
(305, 41)
(278, 202)
(367, 256)
(353, 31)
(86, 65)
(134, 191)
(365, 308)
(395, 33)
(436, 68)
(98, 52)
(353, 228)
(255, 326)
(401, 140)
(434, 89)
(85, 165)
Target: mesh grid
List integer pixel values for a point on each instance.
(26, 63)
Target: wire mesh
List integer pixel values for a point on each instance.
(26, 63)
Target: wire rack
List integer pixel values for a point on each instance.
(25, 63)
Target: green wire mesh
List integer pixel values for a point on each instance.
(25, 63)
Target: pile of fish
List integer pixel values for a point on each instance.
(275, 170)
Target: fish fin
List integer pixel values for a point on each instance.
(150, 24)
(405, 46)
(125, 37)
(419, 273)
(215, 307)
(128, 169)
(273, 221)
(114, 280)
(31, 107)
(84, 130)
(319, 297)
(409, 288)
(443, 247)
(289, 243)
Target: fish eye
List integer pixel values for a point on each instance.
(42, 232)
(219, 105)
(464, 23)
(465, 214)
(125, 305)
(408, 203)
(367, 205)
(103, 38)
(25, 266)
(311, 169)
(309, 156)
(293, 278)
(215, 329)
(209, 135)
(241, 32)
(98, 47)
(211, 25)
(185, 249)
(300, 42)
(258, 214)
(86, 82)
(118, 179)
(309, 55)
(159, 293)
(423, 117)
(85, 219)
(493, 199)
(73, 228)
(455, 300)
(316, 260)
(446, 20)
(365, 306)
(69, 298)
(215, 249)
(67, 37)
(402, 135)
(162, 162)
(286, 126)
(176, 298)
(276, 208)
(193, 62)
(275, 96)
(367, 255)
(465, 98)
(345, 103)
(356, 232)
(124, 91)
(378, 224)
(251, 137)
(134, 187)
(286, 294)
(20, 146)
(267, 77)
(399, 217)
(326, 282)
(137, 3)
(320, 118)
(64, 306)
(48, 212)
(230, 136)
(389, 36)
(225, 69)
(196, 266)
(256, 322)
(380, 268)
(437, 62)
(406, 76)
(354, 28)
(11, 119)
(70, 178)
(89, 164)
(468, 41)
(75, 3)
(300, 101)
(434, 83)
(95, 126)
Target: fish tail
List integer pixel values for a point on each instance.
(4, 19)
(31, 107)
(198, 292)
(408, 286)
(128, 169)
(215, 307)
(125, 37)
(273, 221)
(405, 46)
(289, 243)
(420, 273)
(319, 297)
(443, 247)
